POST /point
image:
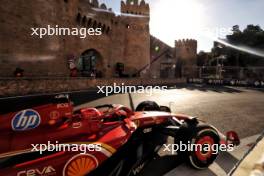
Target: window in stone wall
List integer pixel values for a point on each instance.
(66, 1)
(89, 22)
(107, 30)
(84, 21)
(94, 24)
(103, 28)
(99, 25)
(78, 18)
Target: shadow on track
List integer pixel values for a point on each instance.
(207, 88)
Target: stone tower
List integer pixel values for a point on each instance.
(135, 15)
(186, 50)
(186, 56)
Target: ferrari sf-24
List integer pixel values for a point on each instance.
(125, 140)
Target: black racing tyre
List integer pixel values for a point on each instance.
(207, 141)
(148, 106)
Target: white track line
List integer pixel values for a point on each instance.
(244, 146)
(215, 168)
(185, 170)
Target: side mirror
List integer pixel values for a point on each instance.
(165, 109)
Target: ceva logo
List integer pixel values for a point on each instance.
(26, 120)
(46, 171)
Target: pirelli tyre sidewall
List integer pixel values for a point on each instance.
(203, 135)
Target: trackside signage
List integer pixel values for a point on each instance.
(229, 82)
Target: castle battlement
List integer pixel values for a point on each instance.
(95, 4)
(186, 49)
(186, 43)
(135, 7)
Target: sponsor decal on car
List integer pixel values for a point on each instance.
(80, 164)
(77, 125)
(147, 130)
(46, 171)
(62, 105)
(26, 120)
(54, 115)
(138, 169)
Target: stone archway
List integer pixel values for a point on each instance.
(90, 63)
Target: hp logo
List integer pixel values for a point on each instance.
(26, 120)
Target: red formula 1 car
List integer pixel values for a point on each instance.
(50, 138)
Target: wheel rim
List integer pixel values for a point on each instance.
(202, 153)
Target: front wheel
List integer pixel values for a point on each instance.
(206, 142)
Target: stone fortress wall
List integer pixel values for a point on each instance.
(125, 37)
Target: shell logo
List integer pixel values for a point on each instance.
(80, 165)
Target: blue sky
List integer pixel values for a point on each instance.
(203, 20)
